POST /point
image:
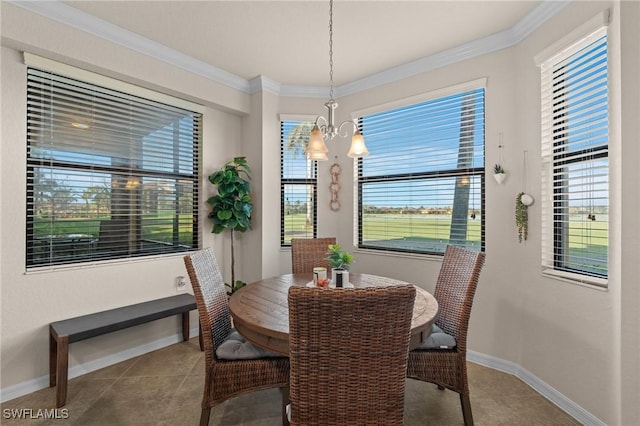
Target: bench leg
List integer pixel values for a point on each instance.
(185, 326)
(185, 330)
(62, 370)
(53, 359)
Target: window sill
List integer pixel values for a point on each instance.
(101, 263)
(405, 255)
(576, 279)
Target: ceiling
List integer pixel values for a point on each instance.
(288, 41)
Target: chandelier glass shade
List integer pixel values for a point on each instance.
(324, 128)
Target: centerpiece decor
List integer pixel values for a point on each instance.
(340, 262)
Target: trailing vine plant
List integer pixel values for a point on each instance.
(232, 206)
(522, 218)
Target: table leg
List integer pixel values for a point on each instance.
(62, 370)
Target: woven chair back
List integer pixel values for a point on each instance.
(455, 290)
(211, 298)
(348, 354)
(307, 253)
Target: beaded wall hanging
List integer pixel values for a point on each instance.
(334, 186)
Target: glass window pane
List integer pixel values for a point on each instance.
(299, 212)
(109, 175)
(575, 111)
(422, 186)
(298, 183)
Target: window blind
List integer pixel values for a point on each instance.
(422, 186)
(298, 183)
(109, 175)
(575, 138)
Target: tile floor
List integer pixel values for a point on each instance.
(164, 387)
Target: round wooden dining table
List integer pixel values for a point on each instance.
(260, 310)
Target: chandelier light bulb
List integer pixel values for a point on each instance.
(316, 148)
(358, 148)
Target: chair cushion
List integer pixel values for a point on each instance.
(438, 339)
(236, 347)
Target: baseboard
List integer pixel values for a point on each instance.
(499, 364)
(30, 386)
(543, 388)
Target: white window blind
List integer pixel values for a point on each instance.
(422, 186)
(575, 141)
(298, 183)
(109, 175)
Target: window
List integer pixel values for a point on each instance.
(575, 144)
(109, 175)
(298, 183)
(422, 186)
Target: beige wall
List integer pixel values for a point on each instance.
(581, 342)
(565, 335)
(31, 301)
(629, 313)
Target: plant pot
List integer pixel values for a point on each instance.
(526, 199)
(500, 177)
(339, 277)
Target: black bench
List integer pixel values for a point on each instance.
(62, 333)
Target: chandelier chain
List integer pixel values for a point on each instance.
(331, 49)
(325, 129)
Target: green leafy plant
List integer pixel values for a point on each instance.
(231, 208)
(339, 259)
(497, 169)
(522, 218)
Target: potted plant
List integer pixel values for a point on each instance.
(522, 218)
(232, 206)
(499, 173)
(340, 262)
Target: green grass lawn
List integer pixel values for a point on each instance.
(158, 227)
(296, 226)
(427, 232)
(401, 227)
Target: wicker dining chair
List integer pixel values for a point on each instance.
(307, 253)
(348, 352)
(243, 367)
(442, 359)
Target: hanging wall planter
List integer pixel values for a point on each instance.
(499, 174)
(523, 201)
(522, 217)
(526, 199)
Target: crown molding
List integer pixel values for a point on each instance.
(475, 48)
(83, 21)
(262, 83)
(446, 57)
(535, 19)
(80, 20)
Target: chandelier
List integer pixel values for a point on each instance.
(324, 128)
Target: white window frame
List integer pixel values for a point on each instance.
(480, 83)
(89, 78)
(581, 37)
(309, 181)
